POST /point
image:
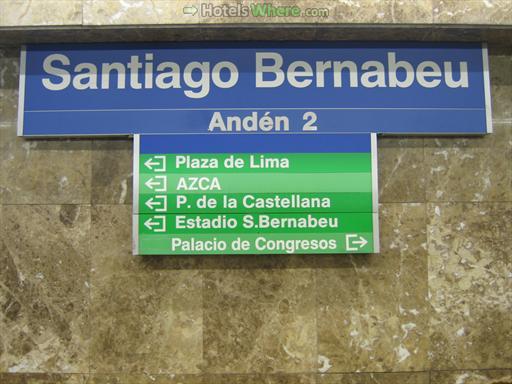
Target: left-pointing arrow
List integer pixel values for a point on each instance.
(158, 203)
(151, 203)
(158, 162)
(157, 183)
(149, 224)
(150, 163)
(151, 183)
(155, 223)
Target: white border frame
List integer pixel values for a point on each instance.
(487, 88)
(375, 194)
(487, 94)
(21, 90)
(135, 211)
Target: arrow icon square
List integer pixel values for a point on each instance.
(355, 242)
(156, 163)
(156, 223)
(157, 183)
(157, 203)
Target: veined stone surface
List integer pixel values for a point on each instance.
(372, 311)
(111, 184)
(259, 321)
(44, 290)
(124, 12)
(472, 11)
(470, 283)
(473, 377)
(375, 378)
(42, 378)
(17, 13)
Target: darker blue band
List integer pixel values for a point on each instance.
(255, 143)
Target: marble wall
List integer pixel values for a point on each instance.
(30, 13)
(434, 307)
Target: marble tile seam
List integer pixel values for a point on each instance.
(471, 369)
(87, 204)
(501, 121)
(468, 202)
(248, 374)
(380, 203)
(252, 374)
(50, 204)
(427, 26)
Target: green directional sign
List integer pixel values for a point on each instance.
(255, 194)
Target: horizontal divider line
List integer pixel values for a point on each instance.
(256, 213)
(255, 109)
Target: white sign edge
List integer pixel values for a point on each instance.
(135, 213)
(21, 90)
(375, 193)
(487, 88)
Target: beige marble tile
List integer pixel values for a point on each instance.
(146, 311)
(9, 73)
(472, 377)
(397, 141)
(469, 247)
(259, 321)
(260, 379)
(127, 12)
(260, 262)
(112, 171)
(44, 171)
(111, 242)
(44, 289)
(18, 13)
(147, 378)
(500, 139)
(472, 12)
(147, 323)
(500, 67)
(375, 378)
(382, 11)
(372, 308)
(468, 174)
(41, 378)
(401, 174)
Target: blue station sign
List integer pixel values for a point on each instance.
(271, 87)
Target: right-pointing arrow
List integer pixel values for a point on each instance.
(362, 242)
(354, 242)
(190, 10)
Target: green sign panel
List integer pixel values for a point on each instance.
(255, 194)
